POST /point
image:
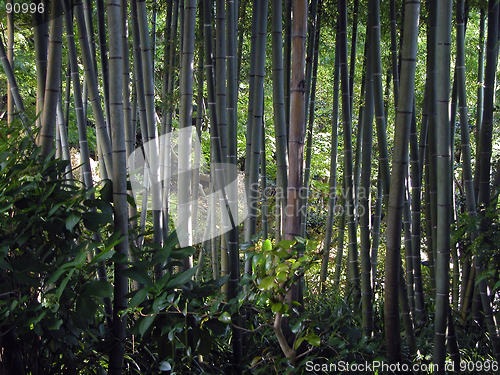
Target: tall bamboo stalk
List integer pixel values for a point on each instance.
(40, 36)
(221, 110)
(232, 193)
(394, 52)
(167, 116)
(91, 80)
(485, 163)
(352, 62)
(396, 195)
(432, 79)
(103, 50)
(378, 95)
(120, 206)
(287, 63)
(485, 137)
(377, 216)
(364, 196)
(353, 270)
(9, 73)
(251, 89)
(279, 117)
(52, 87)
(152, 151)
(480, 97)
(10, 57)
(310, 106)
(184, 219)
(141, 101)
(444, 183)
(332, 191)
(258, 112)
(220, 74)
(415, 200)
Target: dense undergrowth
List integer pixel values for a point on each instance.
(56, 245)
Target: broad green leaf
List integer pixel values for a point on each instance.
(160, 303)
(86, 306)
(225, 317)
(257, 258)
(138, 275)
(6, 204)
(182, 278)
(282, 253)
(255, 360)
(103, 255)
(282, 267)
(266, 283)
(145, 323)
(497, 285)
(297, 327)
(165, 366)
(93, 220)
(107, 191)
(300, 240)
(54, 208)
(313, 339)
(64, 283)
(182, 253)
(286, 244)
(139, 297)
(99, 288)
(53, 324)
(114, 240)
(282, 277)
(298, 342)
(72, 220)
(267, 245)
(276, 307)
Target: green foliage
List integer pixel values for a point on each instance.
(49, 295)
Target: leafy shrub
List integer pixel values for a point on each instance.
(51, 303)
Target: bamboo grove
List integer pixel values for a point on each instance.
(396, 98)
